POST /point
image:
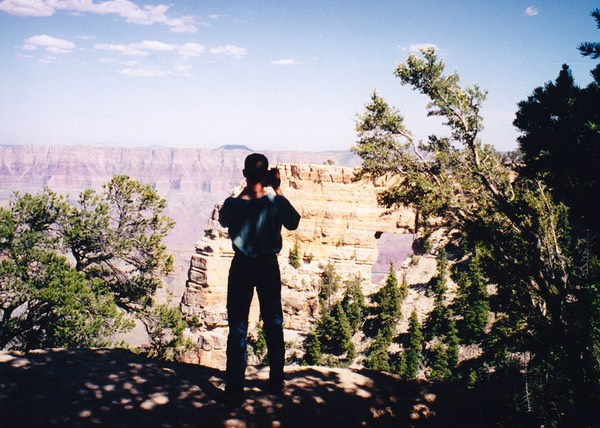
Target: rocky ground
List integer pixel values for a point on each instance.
(116, 388)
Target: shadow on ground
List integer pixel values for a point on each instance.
(116, 388)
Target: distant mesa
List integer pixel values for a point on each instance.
(235, 147)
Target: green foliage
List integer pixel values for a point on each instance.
(294, 255)
(331, 341)
(116, 236)
(439, 283)
(330, 283)
(258, 343)
(115, 241)
(559, 126)
(313, 354)
(440, 367)
(353, 303)
(532, 249)
(388, 300)
(592, 49)
(378, 357)
(414, 350)
(335, 333)
(472, 301)
(165, 325)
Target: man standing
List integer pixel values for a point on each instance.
(254, 219)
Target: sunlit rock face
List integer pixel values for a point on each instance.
(340, 225)
(192, 180)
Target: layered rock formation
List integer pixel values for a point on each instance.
(340, 224)
(191, 179)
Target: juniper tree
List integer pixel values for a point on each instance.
(70, 271)
(474, 197)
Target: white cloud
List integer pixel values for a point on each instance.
(188, 50)
(144, 15)
(531, 11)
(285, 61)
(27, 8)
(143, 72)
(50, 44)
(184, 70)
(229, 50)
(126, 50)
(417, 47)
(152, 45)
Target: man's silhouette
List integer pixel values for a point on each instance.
(254, 219)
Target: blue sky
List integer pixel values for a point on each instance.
(268, 74)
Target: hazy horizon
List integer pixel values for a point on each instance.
(269, 75)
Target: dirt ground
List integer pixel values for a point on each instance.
(116, 388)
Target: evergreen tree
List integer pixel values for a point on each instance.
(378, 357)
(335, 333)
(330, 283)
(440, 367)
(530, 254)
(414, 350)
(438, 321)
(592, 49)
(313, 354)
(67, 268)
(472, 301)
(559, 145)
(353, 303)
(440, 283)
(389, 303)
(452, 341)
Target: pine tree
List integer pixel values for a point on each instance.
(378, 357)
(452, 341)
(388, 301)
(354, 303)
(440, 368)
(472, 301)
(313, 354)
(414, 353)
(330, 282)
(342, 332)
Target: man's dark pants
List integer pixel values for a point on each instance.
(245, 274)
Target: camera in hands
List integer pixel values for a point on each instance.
(272, 179)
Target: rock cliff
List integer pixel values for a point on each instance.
(340, 224)
(192, 180)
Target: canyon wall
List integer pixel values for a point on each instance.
(340, 224)
(191, 180)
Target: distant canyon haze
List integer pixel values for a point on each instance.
(191, 180)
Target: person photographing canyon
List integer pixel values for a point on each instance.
(254, 220)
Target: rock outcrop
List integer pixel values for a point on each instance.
(191, 179)
(340, 224)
